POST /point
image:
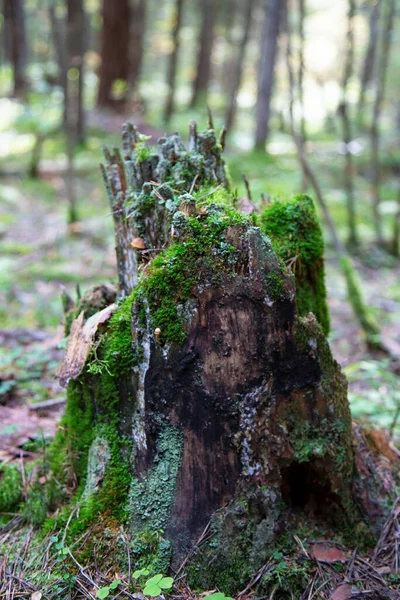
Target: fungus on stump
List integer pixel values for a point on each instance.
(205, 399)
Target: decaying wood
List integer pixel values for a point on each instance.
(80, 343)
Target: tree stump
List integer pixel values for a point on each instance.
(206, 410)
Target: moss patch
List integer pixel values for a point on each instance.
(297, 239)
(201, 251)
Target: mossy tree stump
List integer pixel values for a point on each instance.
(210, 400)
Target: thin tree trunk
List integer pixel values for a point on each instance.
(14, 17)
(231, 112)
(137, 32)
(58, 31)
(302, 16)
(74, 111)
(173, 61)
(369, 60)
(269, 48)
(205, 48)
(346, 123)
(375, 128)
(115, 63)
(361, 312)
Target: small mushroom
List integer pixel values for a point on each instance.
(157, 333)
(138, 243)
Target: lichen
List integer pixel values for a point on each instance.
(296, 235)
(151, 499)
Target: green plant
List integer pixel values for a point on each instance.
(218, 596)
(104, 592)
(155, 585)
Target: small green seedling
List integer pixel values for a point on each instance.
(218, 596)
(104, 592)
(155, 585)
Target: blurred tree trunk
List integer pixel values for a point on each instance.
(173, 61)
(237, 76)
(14, 21)
(115, 63)
(375, 127)
(369, 60)
(274, 10)
(205, 47)
(58, 31)
(303, 134)
(74, 110)
(137, 31)
(346, 123)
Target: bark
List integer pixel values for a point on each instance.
(369, 60)
(347, 133)
(218, 413)
(14, 19)
(173, 61)
(274, 12)
(115, 63)
(137, 33)
(388, 25)
(205, 48)
(238, 69)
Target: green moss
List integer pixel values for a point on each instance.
(10, 488)
(297, 239)
(171, 276)
(34, 509)
(142, 151)
(275, 286)
(117, 349)
(150, 550)
(364, 316)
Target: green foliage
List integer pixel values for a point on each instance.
(104, 592)
(374, 393)
(369, 326)
(157, 584)
(10, 488)
(296, 236)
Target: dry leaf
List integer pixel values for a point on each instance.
(342, 592)
(80, 343)
(36, 596)
(327, 553)
(384, 570)
(138, 244)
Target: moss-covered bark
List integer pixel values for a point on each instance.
(210, 397)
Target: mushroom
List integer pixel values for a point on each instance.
(157, 333)
(138, 243)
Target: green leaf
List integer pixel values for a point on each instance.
(140, 573)
(154, 580)
(103, 592)
(114, 584)
(152, 590)
(219, 596)
(166, 583)
(65, 550)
